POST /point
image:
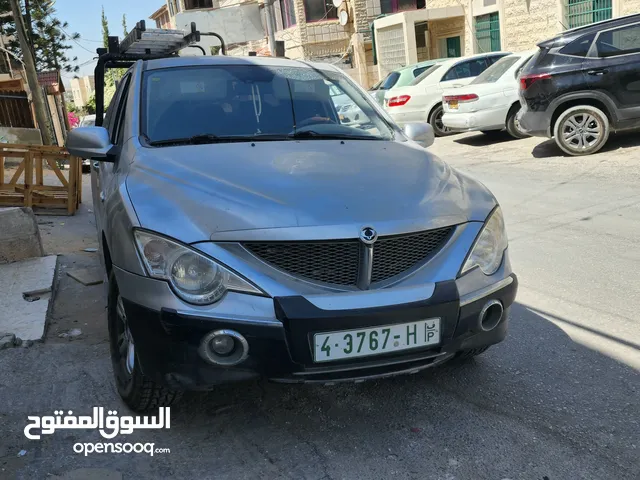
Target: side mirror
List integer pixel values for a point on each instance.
(90, 142)
(421, 133)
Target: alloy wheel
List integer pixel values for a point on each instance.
(581, 131)
(125, 345)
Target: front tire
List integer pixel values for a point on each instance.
(581, 130)
(138, 391)
(435, 120)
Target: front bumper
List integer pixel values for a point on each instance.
(167, 341)
(473, 121)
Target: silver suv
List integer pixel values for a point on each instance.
(246, 231)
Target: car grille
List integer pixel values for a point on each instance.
(337, 262)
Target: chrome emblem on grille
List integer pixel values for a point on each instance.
(368, 236)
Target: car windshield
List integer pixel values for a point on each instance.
(424, 75)
(255, 102)
(495, 71)
(88, 122)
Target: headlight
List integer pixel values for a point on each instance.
(489, 248)
(194, 277)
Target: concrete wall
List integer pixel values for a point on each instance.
(25, 136)
(524, 25)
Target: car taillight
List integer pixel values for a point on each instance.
(399, 101)
(469, 97)
(527, 80)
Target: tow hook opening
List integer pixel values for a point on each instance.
(490, 315)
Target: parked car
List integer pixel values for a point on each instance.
(244, 231)
(584, 84)
(490, 103)
(400, 78)
(421, 100)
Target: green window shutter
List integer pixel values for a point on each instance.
(585, 12)
(488, 32)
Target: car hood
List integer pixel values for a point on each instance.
(315, 188)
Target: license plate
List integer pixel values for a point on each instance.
(453, 104)
(374, 341)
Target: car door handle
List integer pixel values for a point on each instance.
(598, 72)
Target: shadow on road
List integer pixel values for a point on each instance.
(482, 140)
(548, 148)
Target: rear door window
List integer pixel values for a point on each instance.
(620, 41)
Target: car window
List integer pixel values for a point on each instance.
(117, 126)
(469, 68)
(417, 71)
(424, 75)
(250, 101)
(497, 70)
(579, 47)
(621, 41)
(390, 81)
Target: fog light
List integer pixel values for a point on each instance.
(222, 344)
(224, 347)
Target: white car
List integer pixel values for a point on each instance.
(490, 103)
(421, 100)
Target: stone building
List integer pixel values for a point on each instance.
(452, 28)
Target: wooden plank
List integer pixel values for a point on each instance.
(49, 188)
(37, 158)
(58, 173)
(1, 168)
(79, 179)
(72, 199)
(18, 173)
(28, 179)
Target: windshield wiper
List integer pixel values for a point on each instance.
(210, 138)
(310, 134)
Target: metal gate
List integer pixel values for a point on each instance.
(15, 110)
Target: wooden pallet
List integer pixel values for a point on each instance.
(55, 193)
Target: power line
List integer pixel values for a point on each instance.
(60, 27)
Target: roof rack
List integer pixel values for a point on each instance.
(141, 44)
(156, 41)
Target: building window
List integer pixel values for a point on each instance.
(288, 12)
(488, 33)
(393, 6)
(421, 30)
(195, 4)
(585, 12)
(316, 10)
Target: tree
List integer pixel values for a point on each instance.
(105, 30)
(49, 35)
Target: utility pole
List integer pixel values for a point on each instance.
(271, 30)
(32, 77)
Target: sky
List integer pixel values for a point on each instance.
(84, 16)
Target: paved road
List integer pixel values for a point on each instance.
(557, 401)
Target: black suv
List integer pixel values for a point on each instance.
(584, 84)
